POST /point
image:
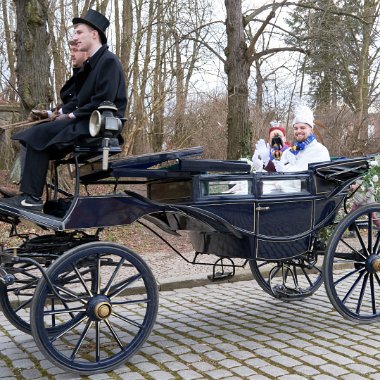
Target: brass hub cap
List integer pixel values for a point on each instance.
(103, 310)
(376, 265)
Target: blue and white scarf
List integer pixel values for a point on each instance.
(301, 145)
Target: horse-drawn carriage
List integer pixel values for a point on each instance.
(91, 304)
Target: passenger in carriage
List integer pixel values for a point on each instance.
(305, 150)
(67, 91)
(273, 150)
(100, 78)
(66, 94)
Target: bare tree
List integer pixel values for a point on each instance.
(10, 48)
(240, 57)
(33, 64)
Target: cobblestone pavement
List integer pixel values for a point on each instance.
(227, 331)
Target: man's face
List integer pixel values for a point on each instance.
(302, 131)
(85, 37)
(77, 57)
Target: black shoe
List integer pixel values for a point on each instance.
(24, 201)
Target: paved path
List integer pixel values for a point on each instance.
(227, 331)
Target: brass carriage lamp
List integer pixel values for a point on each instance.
(104, 123)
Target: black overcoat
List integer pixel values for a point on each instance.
(100, 78)
(67, 91)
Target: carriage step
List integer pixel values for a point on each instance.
(218, 276)
(222, 274)
(281, 291)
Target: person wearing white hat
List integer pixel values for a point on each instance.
(305, 150)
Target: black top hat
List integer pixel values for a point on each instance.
(96, 20)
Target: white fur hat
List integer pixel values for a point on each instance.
(303, 114)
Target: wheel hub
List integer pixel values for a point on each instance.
(99, 308)
(373, 264)
(376, 265)
(103, 310)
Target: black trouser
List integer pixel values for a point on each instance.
(34, 173)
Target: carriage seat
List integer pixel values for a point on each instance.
(92, 147)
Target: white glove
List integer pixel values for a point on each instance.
(288, 157)
(257, 163)
(263, 151)
(279, 165)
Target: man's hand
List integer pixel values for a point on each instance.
(64, 116)
(288, 157)
(263, 151)
(36, 115)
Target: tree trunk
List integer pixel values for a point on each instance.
(237, 70)
(157, 129)
(362, 86)
(33, 62)
(10, 53)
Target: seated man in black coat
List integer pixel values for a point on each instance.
(100, 78)
(67, 91)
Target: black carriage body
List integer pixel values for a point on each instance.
(276, 218)
(268, 215)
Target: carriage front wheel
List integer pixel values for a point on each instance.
(352, 265)
(113, 304)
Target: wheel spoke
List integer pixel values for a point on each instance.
(75, 297)
(377, 244)
(353, 249)
(117, 289)
(23, 305)
(65, 311)
(67, 329)
(370, 229)
(113, 332)
(113, 276)
(82, 281)
(373, 298)
(347, 276)
(128, 320)
(350, 290)
(80, 340)
(97, 338)
(361, 295)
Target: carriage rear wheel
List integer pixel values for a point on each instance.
(352, 265)
(16, 299)
(114, 303)
(291, 279)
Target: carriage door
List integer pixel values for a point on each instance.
(283, 216)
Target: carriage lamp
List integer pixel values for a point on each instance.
(104, 123)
